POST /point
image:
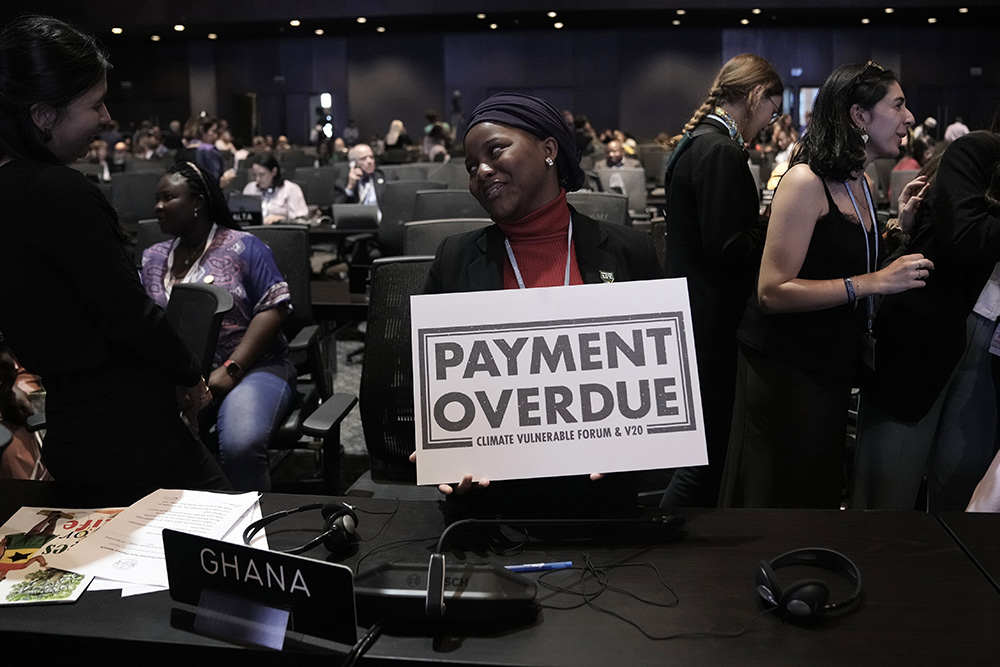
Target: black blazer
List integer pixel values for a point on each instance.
(920, 334)
(343, 197)
(474, 261)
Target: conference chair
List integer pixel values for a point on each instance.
(605, 206)
(438, 204)
(453, 173)
(316, 412)
(293, 160)
(133, 195)
(195, 310)
(654, 161)
(397, 201)
(633, 183)
(424, 236)
(386, 391)
(319, 185)
(414, 171)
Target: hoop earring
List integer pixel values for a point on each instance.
(549, 161)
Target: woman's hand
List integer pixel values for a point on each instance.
(221, 382)
(909, 202)
(906, 273)
(273, 218)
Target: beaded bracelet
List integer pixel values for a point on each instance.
(852, 296)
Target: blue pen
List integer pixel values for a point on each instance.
(540, 567)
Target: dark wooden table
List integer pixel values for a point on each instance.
(924, 601)
(979, 535)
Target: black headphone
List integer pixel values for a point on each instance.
(806, 598)
(339, 527)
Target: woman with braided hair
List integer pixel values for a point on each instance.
(716, 237)
(253, 381)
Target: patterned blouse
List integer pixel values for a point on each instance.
(242, 264)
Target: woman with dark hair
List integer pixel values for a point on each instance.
(253, 381)
(109, 360)
(802, 340)
(280, 199)
(522, 158)
(716, 237)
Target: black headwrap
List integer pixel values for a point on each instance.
(537, 117)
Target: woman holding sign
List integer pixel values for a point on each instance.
(522, 158)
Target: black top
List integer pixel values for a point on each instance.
(474, 261)
(826, 341)
(71, 298)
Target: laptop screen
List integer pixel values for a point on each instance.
(246, 209)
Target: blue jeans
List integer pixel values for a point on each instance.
(248, 417)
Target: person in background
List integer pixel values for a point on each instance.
(932, 405)
(280, 199)
(364, 181)
(72, 308)
(202, 133)
(805, 336)
(253, 381)
(397, 136)
(716, 238)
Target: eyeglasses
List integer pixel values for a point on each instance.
(871, 64)
(776, 114)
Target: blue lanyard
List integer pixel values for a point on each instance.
(868, 252)
(517, 271)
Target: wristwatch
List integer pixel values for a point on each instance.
(233, 368)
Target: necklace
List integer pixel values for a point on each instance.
(723, 116)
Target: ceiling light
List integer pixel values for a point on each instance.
(889, 10)
(963, 10)
(381, 28)
(744, 21)
(756, 10)
(362, 19)
(676, 21)
(295, 23)
(116, 31)
(557, 25)
(212, 35)
(318, 31)
(932, 20)
(155, 38)
(681, 12)
(480, 16)
(493, 26)
(552, 15)
(179, 28)
(866, 21)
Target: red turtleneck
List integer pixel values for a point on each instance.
(538, 241)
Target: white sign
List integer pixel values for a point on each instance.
(555, 381)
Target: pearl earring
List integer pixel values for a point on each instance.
(549, 161)
(864, 135)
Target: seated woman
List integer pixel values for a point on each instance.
(282, 200)
(253, 381)
(522, 158)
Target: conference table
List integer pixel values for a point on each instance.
(924, 600)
